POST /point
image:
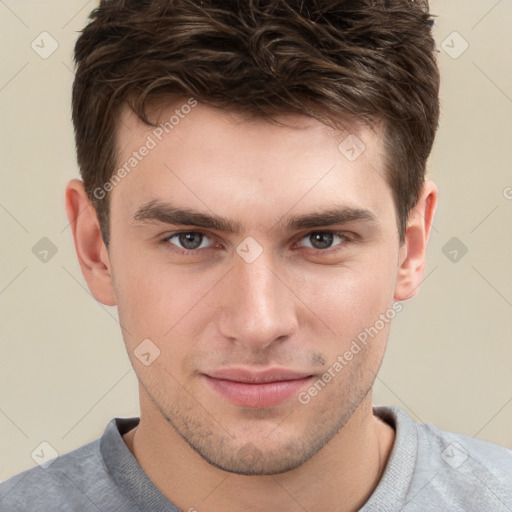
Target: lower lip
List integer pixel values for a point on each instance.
(267, 394)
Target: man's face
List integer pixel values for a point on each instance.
(280, 297)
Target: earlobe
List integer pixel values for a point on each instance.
(412, 258)
(90, 249)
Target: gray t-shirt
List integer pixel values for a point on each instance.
(428, 470)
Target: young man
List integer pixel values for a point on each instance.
(254, 202)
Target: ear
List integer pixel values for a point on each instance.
(414, 249)
(91, 251)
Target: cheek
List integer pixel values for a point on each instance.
(350, 298)
(159, 313)
(158, 301)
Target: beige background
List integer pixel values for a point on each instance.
(64, 370)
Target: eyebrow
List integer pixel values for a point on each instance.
(156, 211)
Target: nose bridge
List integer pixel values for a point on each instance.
(258, 308)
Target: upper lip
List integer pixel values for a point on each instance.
(257, 376)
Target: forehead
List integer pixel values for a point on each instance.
(219, 161)
(181, 117)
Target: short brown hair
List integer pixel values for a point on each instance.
(364, 60)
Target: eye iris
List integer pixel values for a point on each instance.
(190, 240)
(321, 240)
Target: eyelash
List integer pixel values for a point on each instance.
(189, 252)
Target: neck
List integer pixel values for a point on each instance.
(341, 476)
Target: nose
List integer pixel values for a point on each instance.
(258, 309)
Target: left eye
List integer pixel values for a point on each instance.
(323, 239)
(189, 241)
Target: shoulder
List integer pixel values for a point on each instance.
(460, 472)
(73, 481)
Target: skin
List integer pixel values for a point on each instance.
(296, 306)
